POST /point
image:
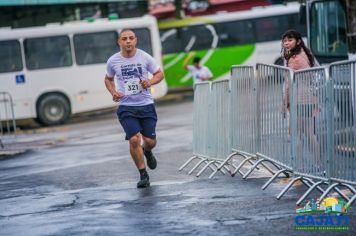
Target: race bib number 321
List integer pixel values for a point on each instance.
(132, 87)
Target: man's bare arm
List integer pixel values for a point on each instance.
(186, 60)
(110, 86)
(157, 77)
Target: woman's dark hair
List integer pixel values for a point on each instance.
(288, 54)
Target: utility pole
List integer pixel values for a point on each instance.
(178, 4)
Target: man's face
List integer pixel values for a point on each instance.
(127, 41)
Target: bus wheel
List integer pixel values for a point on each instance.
(53, 109)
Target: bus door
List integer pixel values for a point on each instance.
(13, 79)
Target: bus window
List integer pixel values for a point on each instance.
(198, 36)
(295, 23)
(48, 52)
(328, 29)
(235, 32)
(171, 40)
(271, 28)
(10, 56)
(144, 40)
(93, 48)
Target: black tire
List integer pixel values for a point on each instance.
(53, 109)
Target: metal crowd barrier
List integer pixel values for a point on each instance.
(201, 135)
(343, 141)
(211, 126)
(7, 115)
(310, 128)
(316, 142)
(273, 138)
(243, 120)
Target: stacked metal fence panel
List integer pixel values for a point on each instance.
(311, 124)
(301, 122)
(211, 124)
(343, 164)
(220, 114)
(272, 114)
(203, 123)
(7, 116)
(243, 109)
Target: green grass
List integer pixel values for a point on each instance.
(219, 63)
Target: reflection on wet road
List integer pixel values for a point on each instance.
(84, 183)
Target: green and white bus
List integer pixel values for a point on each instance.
(54, 71)
(226, 39)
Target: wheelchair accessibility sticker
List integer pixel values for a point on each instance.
(20, 79)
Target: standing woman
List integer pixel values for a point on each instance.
(297, 57)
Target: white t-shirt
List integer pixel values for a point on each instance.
(196, 73)
(128, 72)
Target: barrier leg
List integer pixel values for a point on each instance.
(268, 168)
(315, 185)
(196, 166)
(280, 195)
(237, 169)
(233, 166)
(351, 200)
(212, 168)
(227, 169)
(276, 166)
(251, 169)
(342, 194)
(308, 182)
(187, 162)
(273, 178)
(328, 190)
(338, 191)
(204, 168)
(222, 164)
(222, 170)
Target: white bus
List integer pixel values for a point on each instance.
(226, 39)
(54, 71)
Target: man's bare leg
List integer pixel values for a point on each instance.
(148, 145)
(137, 155)
(136, 151)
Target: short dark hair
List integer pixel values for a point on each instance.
(125, 30)
(196, 60)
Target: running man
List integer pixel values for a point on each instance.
(136, 110)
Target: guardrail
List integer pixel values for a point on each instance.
(300, 123)
(7, 116)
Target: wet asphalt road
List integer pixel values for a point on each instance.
(80, 180)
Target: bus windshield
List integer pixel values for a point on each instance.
(328, 29)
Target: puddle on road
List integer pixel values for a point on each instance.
(237, 221)
(285, 181)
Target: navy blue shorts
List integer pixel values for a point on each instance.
(135, 119)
